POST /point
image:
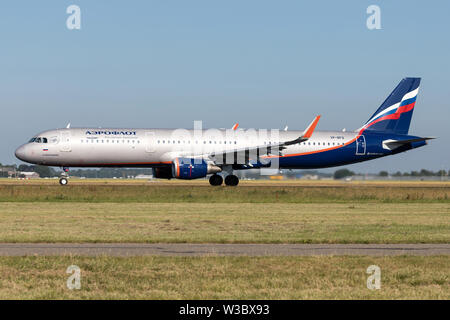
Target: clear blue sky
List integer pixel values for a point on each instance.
(264, 64)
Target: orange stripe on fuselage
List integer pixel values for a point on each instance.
(312, 152)
(125, 164)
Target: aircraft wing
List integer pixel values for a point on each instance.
(256, 151)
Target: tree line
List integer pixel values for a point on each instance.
(343, 173)
(48, 172)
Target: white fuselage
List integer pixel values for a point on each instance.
(93, 147)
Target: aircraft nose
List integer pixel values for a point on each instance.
(21, 153)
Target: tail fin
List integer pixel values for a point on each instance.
(394, 115)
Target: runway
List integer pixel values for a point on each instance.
(210, 249)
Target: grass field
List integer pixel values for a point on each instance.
(201, 192)
(402, 277)
(254, 212)
(315, 212)
(231, 223)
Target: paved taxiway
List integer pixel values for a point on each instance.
(186, 249)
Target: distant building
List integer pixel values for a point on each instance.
(29, 175)
(144, 176)
(310, 177)
(7, 172)
(277, 177)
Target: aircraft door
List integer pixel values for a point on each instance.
(149, 141)
(361, 145)
(65, 145)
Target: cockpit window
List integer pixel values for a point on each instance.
(41, 140)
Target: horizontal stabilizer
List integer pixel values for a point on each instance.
(391, 144)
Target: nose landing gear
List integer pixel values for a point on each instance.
(64, 177)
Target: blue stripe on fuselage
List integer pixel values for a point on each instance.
(330, 158)
(346, 154)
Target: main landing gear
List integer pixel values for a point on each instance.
(215, 180)
(230, 180)
(64, 180)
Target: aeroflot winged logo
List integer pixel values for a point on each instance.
(110, 133)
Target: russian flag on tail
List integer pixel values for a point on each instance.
(394, 115)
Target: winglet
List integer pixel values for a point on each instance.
(306, 134)
(309, 131)
(235, 126)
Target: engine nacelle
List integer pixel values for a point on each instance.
(188, 168)
(162, 173)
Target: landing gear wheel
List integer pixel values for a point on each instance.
(63, 181)
(215, 180)
(231, 180)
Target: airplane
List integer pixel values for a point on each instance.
(218, 153)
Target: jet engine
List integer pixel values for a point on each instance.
(188, 168)
(162, 173)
